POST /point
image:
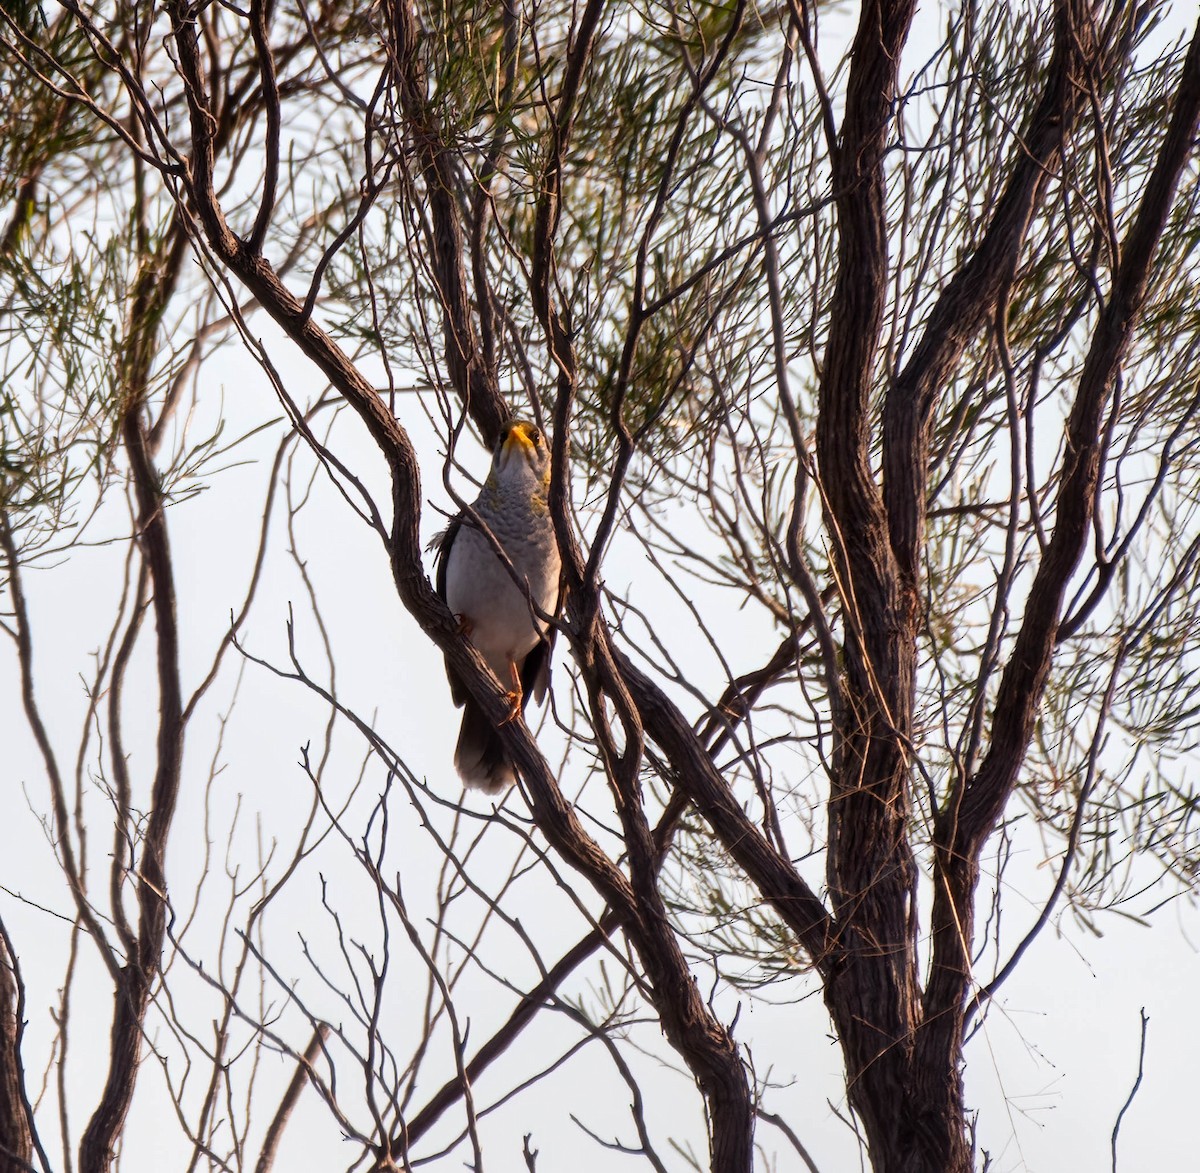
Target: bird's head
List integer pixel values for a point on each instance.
(522, 446)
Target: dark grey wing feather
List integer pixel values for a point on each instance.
(535, 671)
(442, 543)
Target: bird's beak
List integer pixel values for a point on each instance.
(516, 444)
(517, 438)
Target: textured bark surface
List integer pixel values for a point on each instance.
(16, 1142)
(872, 992)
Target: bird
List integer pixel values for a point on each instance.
(497, 608)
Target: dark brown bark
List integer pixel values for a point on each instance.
(16, 1139)
(872, 993)
(1023, 682)
(795, 902)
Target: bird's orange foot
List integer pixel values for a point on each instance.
(515, 694)
(513, 700)
(465, 626)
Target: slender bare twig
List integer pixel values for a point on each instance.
(1137, 1083)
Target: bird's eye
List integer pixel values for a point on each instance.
(535, 436)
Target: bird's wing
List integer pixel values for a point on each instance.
(442, 543)
(535, 671)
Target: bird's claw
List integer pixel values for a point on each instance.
(515, 695)
(513, 700)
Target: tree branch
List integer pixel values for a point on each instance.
(287, 1105)
(1023, 681)
(471, 375)
(973, 814)
(970, 298)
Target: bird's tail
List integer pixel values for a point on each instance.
(479, 755)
